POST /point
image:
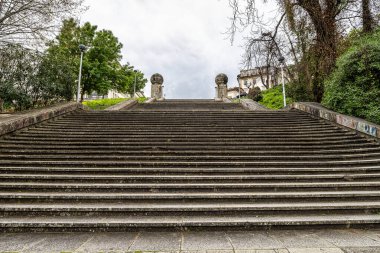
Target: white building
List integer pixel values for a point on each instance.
(262, 77)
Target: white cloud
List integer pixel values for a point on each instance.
(181, 39)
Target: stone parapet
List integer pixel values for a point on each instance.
(21, 120)
(354, 123)
(122, 105)
(253, 105)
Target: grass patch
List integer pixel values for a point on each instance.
(272, 98)
(101, 104)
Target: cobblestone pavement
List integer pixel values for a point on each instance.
(275, 241)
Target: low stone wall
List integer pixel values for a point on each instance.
(354, 123)
(253, 105)
(21, 120)
(122, 105)
(150, 100)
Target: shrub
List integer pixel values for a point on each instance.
(273, 99)
(354, 87)
(255, 94)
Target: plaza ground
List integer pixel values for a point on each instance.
(271, 241)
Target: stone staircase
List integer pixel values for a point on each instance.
(187, 164)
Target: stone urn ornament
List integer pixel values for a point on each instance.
(221, 81)
(156, 92)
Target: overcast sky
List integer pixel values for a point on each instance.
(181, 39)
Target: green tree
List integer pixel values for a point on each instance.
(102, 70)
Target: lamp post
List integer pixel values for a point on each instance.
(282, 61)
(238, 80)
(134, 86)
(82, 49)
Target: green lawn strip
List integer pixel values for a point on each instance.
(101, 104)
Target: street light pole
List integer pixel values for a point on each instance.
(82, 49)
(282, 61)
(238, 80)
(134, 86)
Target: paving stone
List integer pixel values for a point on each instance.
(19, 242)
(282, 251)
(315, 250)
(348, 238)
(362, 250)
(219, 251)
(299, 239)
(153, 241)
(253, 240)
(68, 242)
(256, 251)
(108, 242)
(205, 241)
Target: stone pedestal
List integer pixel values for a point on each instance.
(156, 91)
(221, 81)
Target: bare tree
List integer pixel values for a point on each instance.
(32, 21)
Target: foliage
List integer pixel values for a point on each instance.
(354, 87)
(101, 104)
(273, 99)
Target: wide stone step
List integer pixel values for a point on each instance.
(186, 138)
(182, 142)
(194, 171)
(141, 207)
(182, 196)
(216, 178)
(199, 186)
(205, 158)
(193, 147)
(200, 164)
(212, 152)
(132, 222)
(209, 134)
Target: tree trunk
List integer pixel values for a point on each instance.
(325, 48)
(367, 17)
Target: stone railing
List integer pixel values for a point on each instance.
(354, 123)
(13, 122)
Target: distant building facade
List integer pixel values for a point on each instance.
(262, 77)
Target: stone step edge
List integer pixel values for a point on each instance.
(182, 195)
